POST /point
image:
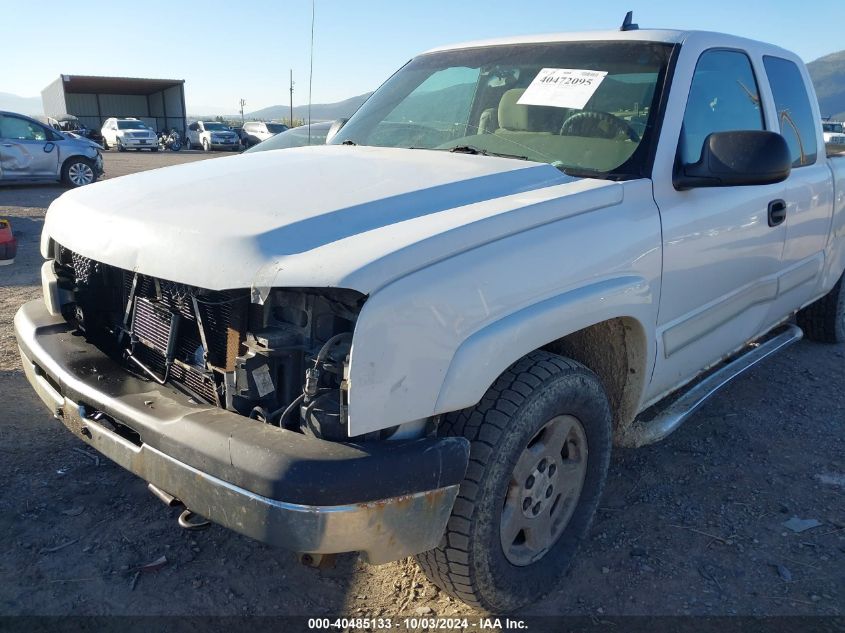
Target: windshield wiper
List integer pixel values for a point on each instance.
(470, 149)
(349, 142)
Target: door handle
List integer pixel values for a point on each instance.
(777, 212)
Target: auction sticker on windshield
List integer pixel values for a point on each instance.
(562, 88)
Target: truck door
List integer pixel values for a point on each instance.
(720, 256)
(809, 188)
(26, 149)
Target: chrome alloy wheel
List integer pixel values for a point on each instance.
(80, 174)
(544, 490)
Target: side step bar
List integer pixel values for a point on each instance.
(656, 427)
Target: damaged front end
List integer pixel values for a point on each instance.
(237, 410)
(283, 362)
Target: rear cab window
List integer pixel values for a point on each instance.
(795, 115)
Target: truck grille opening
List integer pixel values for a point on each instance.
(175, 333)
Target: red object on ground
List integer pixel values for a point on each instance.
(8, 243)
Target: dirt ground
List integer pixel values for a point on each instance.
(693, 525)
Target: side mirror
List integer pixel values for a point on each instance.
(335, 128)
(735, 159)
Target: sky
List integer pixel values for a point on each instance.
(227, 51)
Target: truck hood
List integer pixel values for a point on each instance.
(340, 216)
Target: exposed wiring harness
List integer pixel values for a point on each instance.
(311, 389)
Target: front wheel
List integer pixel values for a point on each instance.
(540, 443)
(120, 147)
(78, 172)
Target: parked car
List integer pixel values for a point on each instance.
(210, 135)
(296, 137)
(130, 133)
(425, 337)
(70, 123)
(239, 130)
(833, 132)
(255, 132)
(8, 243)
(33, 152)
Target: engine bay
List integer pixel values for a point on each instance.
(284, 362)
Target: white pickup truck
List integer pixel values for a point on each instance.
(424, 338)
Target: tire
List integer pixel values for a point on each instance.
(824, 320)
(78, 172)
(205, 145)
(528, 406)
(188, 143)
(120, 147)
(105, 144)
(154, 149)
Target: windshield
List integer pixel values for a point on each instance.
(131, 125)
(583, 105)
(276, 128)
(832, 127)
(294, 137)
(216, 127)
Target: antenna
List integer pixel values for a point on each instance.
(628, 23)
(311, 73)
(242, 103)
(291, 98)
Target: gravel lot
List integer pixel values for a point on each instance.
(693, 525)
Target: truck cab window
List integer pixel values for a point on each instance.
(723, 97)
(795, 116)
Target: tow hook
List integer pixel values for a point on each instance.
(191, 521)
(188, 519)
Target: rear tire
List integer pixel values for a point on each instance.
(188, 143)
(205, 146)
(824, 320)
(540, 442)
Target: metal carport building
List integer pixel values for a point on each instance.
(158, 102)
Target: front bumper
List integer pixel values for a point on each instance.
(138, 142)
(386, 500)
(225, 144)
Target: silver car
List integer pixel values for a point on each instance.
(33, 152)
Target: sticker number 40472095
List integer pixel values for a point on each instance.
(562, 87)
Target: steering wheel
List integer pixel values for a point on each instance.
(598, 124)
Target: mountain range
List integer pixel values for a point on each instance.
(319, 111)
(828, 74)
(25, 105)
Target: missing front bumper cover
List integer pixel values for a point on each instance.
(387, 500)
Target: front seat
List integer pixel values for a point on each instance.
(517, 120)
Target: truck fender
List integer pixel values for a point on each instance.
(487, 353)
